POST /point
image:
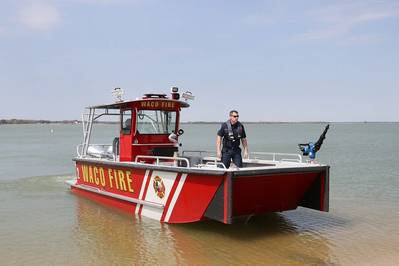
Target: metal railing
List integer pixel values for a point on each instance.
(278, 157)
(199, 152)
(213, 160)
(165, 158)
(79, 150)
(273, 156)
(87, 124)
(102, 152)
(215, 164)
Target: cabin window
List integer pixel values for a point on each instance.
(127, 122)
(156, 122)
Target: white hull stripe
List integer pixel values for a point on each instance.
(147, 172)
(168, 179)
(175, 197)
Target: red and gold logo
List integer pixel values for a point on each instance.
(159, 187)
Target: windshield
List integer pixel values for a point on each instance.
(155, 122)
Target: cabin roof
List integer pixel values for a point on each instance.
(125, 104)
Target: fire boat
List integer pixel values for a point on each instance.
(145, 172)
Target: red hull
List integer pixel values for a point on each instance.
(270, 193)
(181, 197)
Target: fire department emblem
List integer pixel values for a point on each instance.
(159, 187)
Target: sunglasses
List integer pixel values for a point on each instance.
(235, 116)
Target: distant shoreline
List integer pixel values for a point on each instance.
(41, 121)
(32, 121)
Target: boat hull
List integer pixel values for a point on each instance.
(182, 195)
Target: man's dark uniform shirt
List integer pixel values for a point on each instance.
(231, 146)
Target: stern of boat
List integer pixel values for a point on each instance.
(254, 192)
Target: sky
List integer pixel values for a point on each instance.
(271, 60)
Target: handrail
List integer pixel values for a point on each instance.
(154, 144)
(158, 158)
(216, 164)
(198, 151)
(214, 161)
(275, 154)
(79, 150)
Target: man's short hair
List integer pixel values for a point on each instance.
(233, 111)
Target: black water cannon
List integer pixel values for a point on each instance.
(173, 136)
(310, 149)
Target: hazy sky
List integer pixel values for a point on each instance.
(271, 60)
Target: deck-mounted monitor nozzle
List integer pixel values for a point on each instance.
(310, 149)
(174, 135)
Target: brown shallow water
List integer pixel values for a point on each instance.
(42, 223)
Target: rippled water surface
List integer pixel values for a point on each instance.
(42, 223)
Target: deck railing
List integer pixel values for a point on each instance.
(273, 156)
(158, 159)
(277, 157)
(97, 151)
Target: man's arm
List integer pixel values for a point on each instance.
(245, 145)
(218, 146)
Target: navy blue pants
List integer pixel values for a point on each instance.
(234, 155)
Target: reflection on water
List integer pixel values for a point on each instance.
(107, 236)
(267, 239)
(112, 236)
(42, 223)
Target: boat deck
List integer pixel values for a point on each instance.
(278, 162)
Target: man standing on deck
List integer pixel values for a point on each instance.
(232, 133)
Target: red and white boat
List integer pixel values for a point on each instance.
(143, 172)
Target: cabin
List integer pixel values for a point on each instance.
(148, 127)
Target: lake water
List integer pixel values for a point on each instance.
(42, 223)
